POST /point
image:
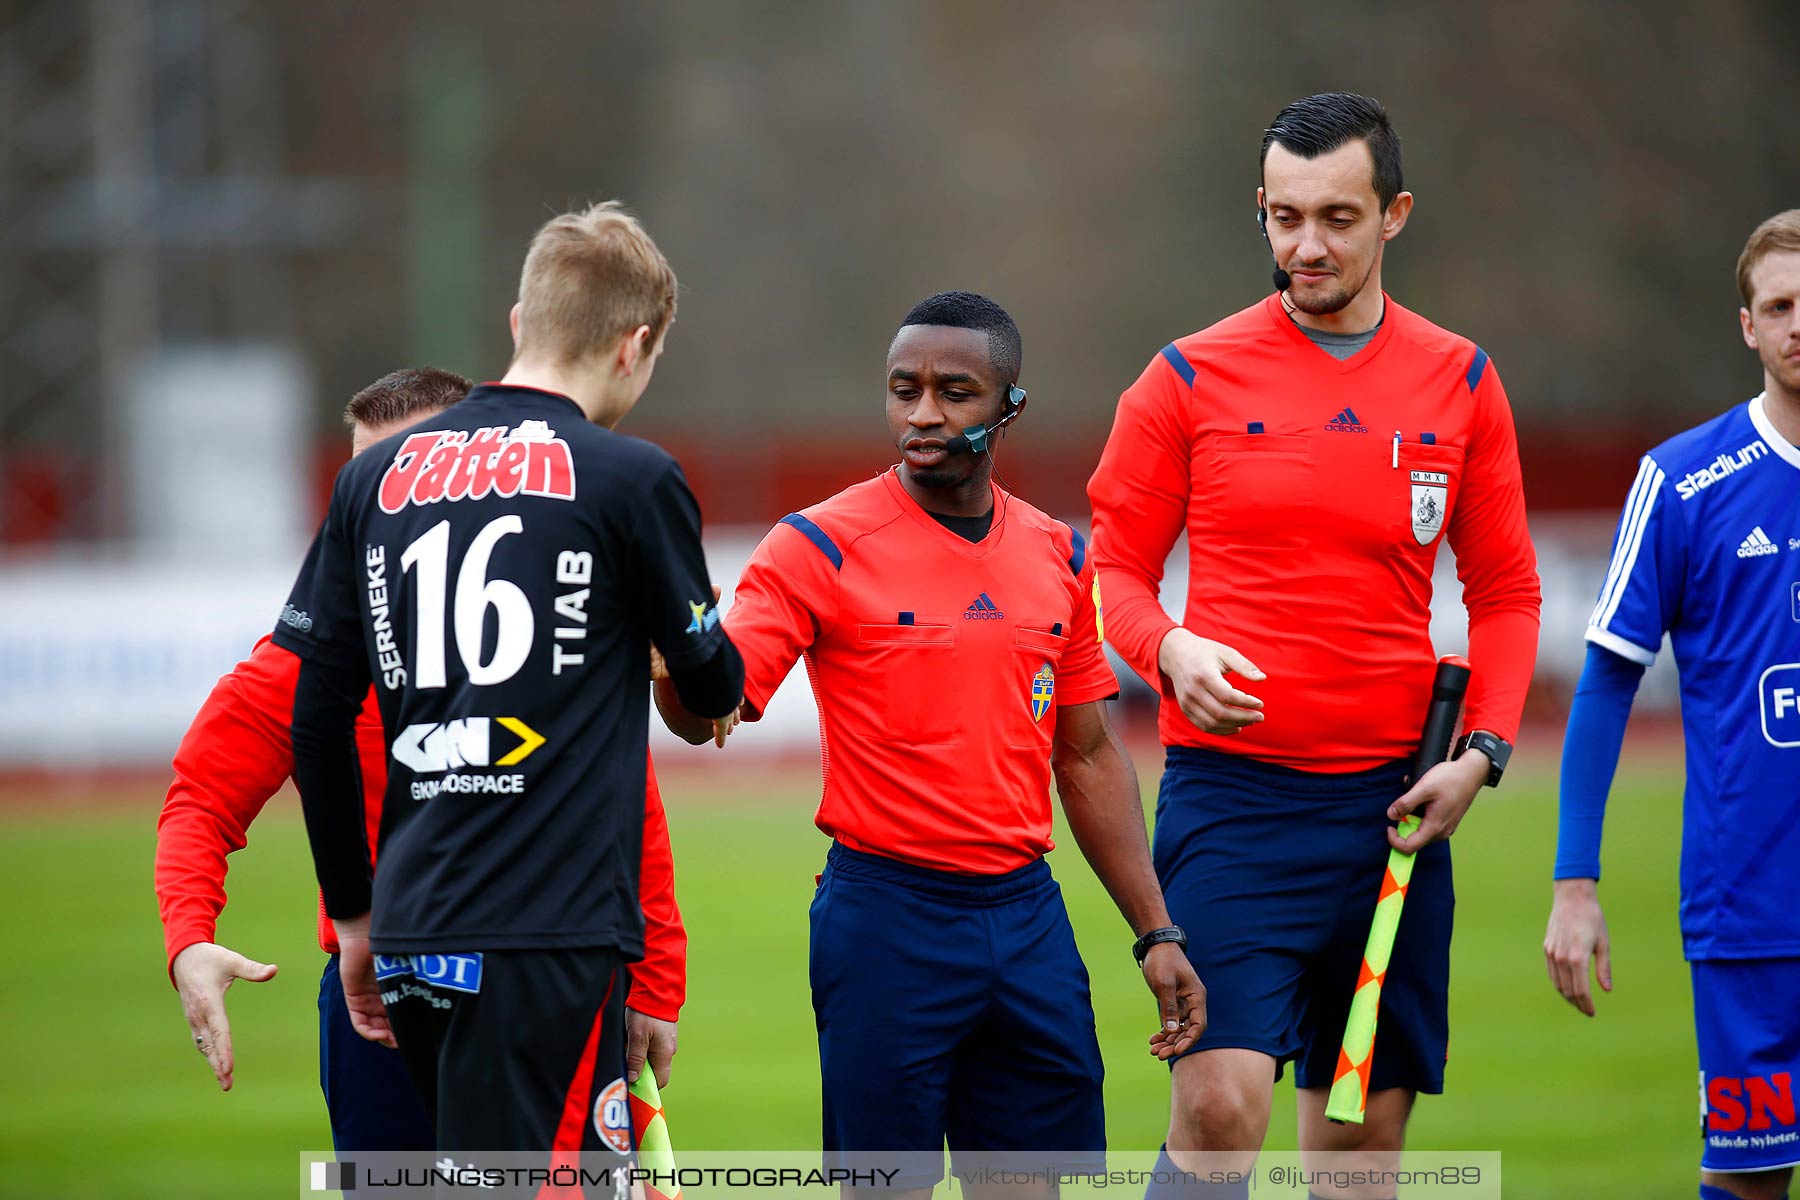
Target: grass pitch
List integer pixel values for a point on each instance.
(106, 1097)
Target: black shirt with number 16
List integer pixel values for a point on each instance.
(498, 573)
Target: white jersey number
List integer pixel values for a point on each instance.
(475, 594)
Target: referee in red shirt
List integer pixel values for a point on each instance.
(237, 754)
(952, 634)
(1317, 448)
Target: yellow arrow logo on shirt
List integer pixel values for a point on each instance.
(529, 740)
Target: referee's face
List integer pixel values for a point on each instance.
(941, 382)
(1326, 225)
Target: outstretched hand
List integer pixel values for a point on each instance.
(722, 726)
(202, 972)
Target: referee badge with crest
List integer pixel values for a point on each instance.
(1430, 498)
(1043, 691)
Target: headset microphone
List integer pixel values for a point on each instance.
(1283, 281)
(975, 441)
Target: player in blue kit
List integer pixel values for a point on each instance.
(1708, 551)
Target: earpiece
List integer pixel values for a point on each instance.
(974, 441)
(1283, 281)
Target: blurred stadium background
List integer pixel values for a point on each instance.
(219, 218)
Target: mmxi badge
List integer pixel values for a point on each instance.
(1430, 500)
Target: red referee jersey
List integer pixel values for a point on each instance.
(937, 664)
(238, 753)
(1315, 495)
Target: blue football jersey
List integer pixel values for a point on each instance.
(1708, 551)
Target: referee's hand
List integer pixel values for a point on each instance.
(1196, 668)
(1440, 798)
(1180, 1000)
(649, 1040)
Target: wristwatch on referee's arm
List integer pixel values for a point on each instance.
(1140, 949)
(1497, 748)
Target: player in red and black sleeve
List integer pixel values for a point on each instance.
(1317, 448)
(952, 634)
(499, 574)
(237, 755)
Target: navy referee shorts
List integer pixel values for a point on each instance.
(1274, 873)
(952, 1008)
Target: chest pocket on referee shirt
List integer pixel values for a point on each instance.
(908, 658)
(1033, 686)
(1421, 493)
(1258, 488)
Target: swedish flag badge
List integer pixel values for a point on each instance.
(1043, 691)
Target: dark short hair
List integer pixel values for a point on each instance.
(1320, 124)
(405, 395)
(966, 310)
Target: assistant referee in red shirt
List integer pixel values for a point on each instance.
(951, 632)
(1317, 448)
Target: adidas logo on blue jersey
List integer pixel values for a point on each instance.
(983, 609)
(1345, 422)
(1757, 545)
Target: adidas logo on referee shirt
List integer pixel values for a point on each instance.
(983, 609)
(1345, 422)
(1757, 545)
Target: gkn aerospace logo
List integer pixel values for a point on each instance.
(1696, 482)
(457, 465)
(444, 748)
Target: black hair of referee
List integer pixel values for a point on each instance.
(952, 369)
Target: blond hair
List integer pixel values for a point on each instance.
(1779, 232)
(590, 278)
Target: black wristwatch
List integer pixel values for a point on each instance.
(1140, 949)
(1498, 750)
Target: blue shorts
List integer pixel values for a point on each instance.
(371, 1099)
(1274, 873)
(1747, 1020)
(952, 1007)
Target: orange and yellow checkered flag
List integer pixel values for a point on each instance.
(1349, 1098)
(652, 1126)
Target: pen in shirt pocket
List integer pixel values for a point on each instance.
(1396, 449)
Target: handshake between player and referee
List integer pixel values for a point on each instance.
(496, 575)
